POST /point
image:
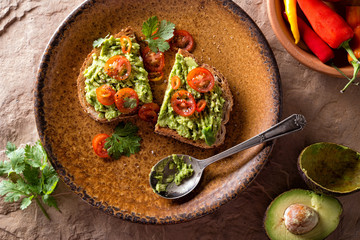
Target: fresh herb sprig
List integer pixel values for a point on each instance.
(98, 42)
(30, 176)
(157, 33)
(124, 141)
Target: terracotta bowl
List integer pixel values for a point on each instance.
(300, 51)
(226, 38)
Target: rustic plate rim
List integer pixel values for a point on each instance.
(258, 161)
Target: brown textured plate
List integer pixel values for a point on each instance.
(225, 38)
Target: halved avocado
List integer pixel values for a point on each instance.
(309, 216)
(330, 168)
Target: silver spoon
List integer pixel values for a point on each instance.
(291, 124)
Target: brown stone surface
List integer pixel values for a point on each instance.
(25, 28)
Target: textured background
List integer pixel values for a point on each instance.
(25, 28)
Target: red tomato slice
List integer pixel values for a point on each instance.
(183, 103)
(154, 62)
(98, 143)
(126, 100)
(125, 40)
(182, 39)
(175, 82)
(155, 76)
(105, 95)
(118, 67)
(148, 112)
(201, 80)
(200, 105)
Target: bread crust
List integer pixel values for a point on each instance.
(89, 109)
(220, 137)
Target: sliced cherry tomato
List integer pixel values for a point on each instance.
(105, 95)
(155, 76)
(200, 105)
(148, 112)
(201, 80)
(118, 67)
(126, 100)
(154, 62)
(182, 39)
(175, 82)
(98, 143)
(126, 44)
(183, 103)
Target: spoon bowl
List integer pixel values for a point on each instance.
(174, 191)
(291, 124)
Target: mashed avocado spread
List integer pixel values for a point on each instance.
(203, 125)
(174, 164)
(96, 76)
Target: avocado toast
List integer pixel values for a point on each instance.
(204, 127)
(95, 74)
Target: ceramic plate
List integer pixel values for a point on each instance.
(226, 38)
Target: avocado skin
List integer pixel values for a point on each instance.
(273, 235)
(316, 186)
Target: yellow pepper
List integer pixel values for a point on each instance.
(290, 10)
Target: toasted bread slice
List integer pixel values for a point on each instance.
(88, 108)
(228, 104)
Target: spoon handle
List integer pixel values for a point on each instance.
(291, 124)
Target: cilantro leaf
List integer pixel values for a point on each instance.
(50, 201)
(10, 147)
(35, 155)
(130, 102)
(132, 145)
(11, 191)
(209, 136)
(166, 30)
(5, 167)
(123, 141)
(100, 41)
(17, 160)
(157, 33)
(25, 202)
(158, 44)
(30, 176)
(127, 129)
(49, 180)
(114, 147)
(150, 26)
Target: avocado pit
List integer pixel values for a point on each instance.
(300, 219)
(300, 214)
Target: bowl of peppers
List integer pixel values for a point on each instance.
(324, 35)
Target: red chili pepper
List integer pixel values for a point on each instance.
(329, 25)
(314, 42)
(353, 16)
(353, 19)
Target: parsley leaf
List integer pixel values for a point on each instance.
(123, 141)
(100, 41)
(209, 136)
(157, 33)
(30, 176)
